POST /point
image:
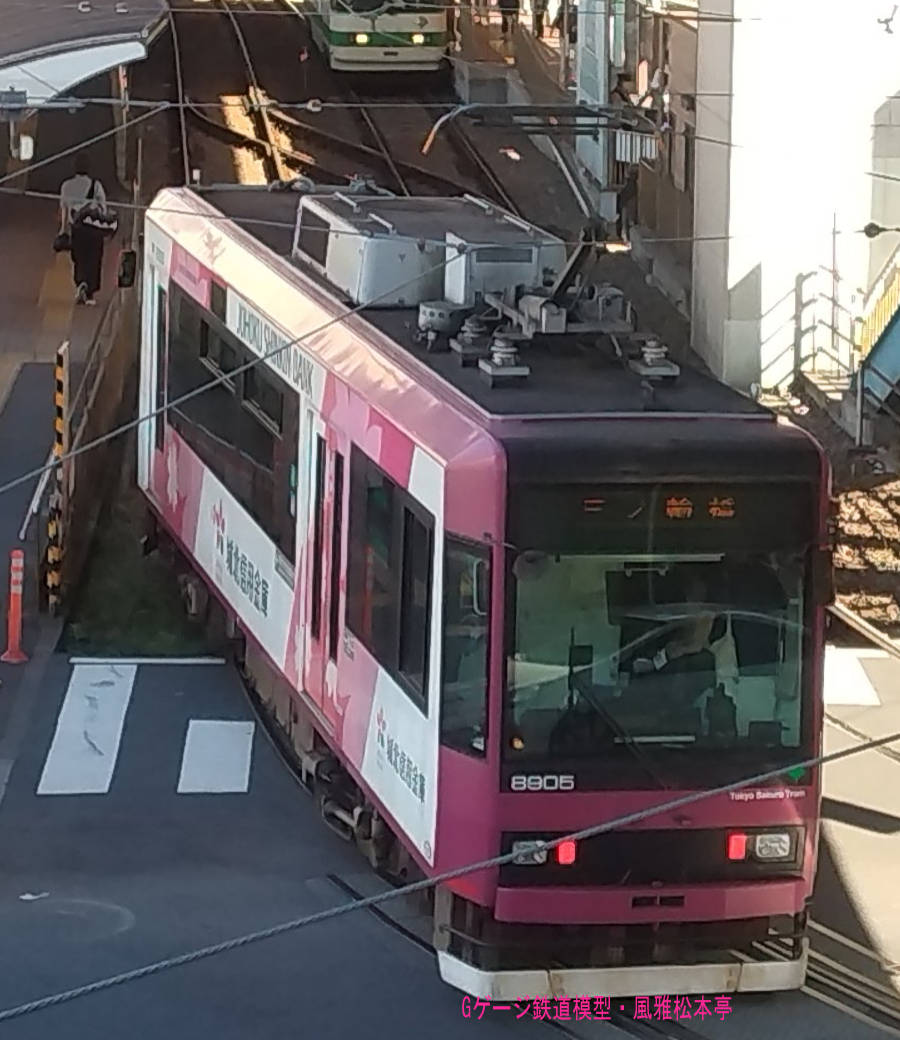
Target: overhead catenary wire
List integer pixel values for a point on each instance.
(223, 377)
(140, 419)
(81, 145)
(335, 912)
(321, 916)
(314, 105)
(684, 12)
(32, 193)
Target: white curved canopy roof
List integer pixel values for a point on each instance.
(48, 47)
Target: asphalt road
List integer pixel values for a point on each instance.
(116, 879)
(142, 873)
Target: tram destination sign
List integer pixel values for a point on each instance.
(659, 515)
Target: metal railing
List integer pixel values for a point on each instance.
(822, 324)
(864, 397)
(103, 379)
(86, 394)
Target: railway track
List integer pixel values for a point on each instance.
(411, 124)
(235, 68)
(274, 162)
(618, 1016)
(463, 143)
(286, 143)
(828, 981)
(375, 163)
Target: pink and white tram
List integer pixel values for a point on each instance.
(503, 570)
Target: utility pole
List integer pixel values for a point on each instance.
(13, 111)
(564, 45)
(592, 67)
(602, 42)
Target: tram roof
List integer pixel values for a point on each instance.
(48, 47)
(566, 379)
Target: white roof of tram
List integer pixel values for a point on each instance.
(48, 47)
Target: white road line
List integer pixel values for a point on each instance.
(145, 660)
(82, 757)
(35, 498)
(846, 681)
(216, 757)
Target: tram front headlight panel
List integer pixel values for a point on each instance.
(418, 39)
(529, 853)
(361, 39)
(773, 846)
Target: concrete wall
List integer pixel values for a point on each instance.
(670, 210)
(709, 297)
(808, 80)
(885, 192)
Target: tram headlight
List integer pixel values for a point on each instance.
(772, 846)
(529, 853)
(361, 38)
(418, 39)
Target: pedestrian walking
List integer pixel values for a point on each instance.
(85, 222)
(570, 16)
(538, 14)
(509, 15)
(627, 206)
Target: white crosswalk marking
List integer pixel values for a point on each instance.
(846, 681)
(86, 750)
(216, 757)
(82, 757)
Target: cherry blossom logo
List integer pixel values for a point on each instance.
(218, 519)
(382, 727)
(351, 414)
(213, 245)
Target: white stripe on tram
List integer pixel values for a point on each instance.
(146, 660)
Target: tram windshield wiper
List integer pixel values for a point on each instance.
(580, 658)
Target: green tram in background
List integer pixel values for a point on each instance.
(371, 35)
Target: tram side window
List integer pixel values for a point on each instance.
(389, 575)
(415, 600)
(372, 593)
(464, 687)
(246, 430)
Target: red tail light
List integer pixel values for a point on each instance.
(737, 846)
(565, 853)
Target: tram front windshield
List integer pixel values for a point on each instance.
(685, 653)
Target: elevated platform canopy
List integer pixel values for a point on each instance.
(48, 47)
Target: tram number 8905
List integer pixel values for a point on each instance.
(537, 782)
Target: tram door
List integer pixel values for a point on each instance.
(326, 567)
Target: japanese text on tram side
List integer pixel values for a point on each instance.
(399, 761)
(659, 1008)
(251, 583)
(243, 571)
(248, 578)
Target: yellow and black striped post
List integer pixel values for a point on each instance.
(57, 495)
